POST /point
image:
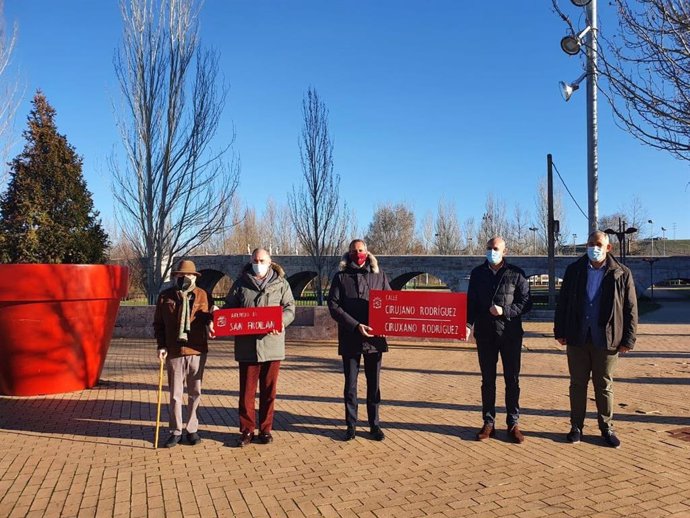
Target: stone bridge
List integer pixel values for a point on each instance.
(452, 270)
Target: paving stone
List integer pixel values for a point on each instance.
(90, 453)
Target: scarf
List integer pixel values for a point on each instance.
(185, 314)
(262, 283)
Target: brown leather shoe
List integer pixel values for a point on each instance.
(515, 434)
(245, 439)
(488, 430)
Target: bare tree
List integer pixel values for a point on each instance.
(174, 191)
(636, 216)
(352, 228)
(316, 211)
(426, 233)
(471, 244)
(9, 99)
(243, 236)
(247, 233)
(631, 215)
(447, 237)
(277, 231)
(391, 231)
(518, 234)
(494, 221)
(645, 67)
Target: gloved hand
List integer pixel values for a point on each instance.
(211, 330)
(162, 353)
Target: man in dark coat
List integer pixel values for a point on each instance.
(348, 302)
(497, 297)
(596, 318)
(182, 323)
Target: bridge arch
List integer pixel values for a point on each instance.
(399, 282)
(299, 281)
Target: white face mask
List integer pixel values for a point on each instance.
(596, 253)
(494, 256)
(260, 269)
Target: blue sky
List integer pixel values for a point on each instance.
(428, 100)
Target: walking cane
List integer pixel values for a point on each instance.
(160, 396)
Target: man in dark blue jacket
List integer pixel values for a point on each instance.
(497, 297)
(348, 302)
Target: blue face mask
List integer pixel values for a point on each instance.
(596, 254)
(494, 257)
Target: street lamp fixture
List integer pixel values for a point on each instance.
(621, 235)
(572, 43)
(567, 89)
(580, 3)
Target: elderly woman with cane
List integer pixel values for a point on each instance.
(182, 325)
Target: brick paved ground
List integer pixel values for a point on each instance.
(90, 453)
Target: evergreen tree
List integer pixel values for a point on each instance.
(46, 214)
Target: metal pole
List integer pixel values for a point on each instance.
(592, 129)
(550, 232)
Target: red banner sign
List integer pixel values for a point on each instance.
(248, 321)
(418, 313)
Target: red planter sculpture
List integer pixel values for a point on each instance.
(56, 321)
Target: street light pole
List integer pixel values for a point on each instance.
(574, 249)
(651, 261)
(651, 238)
(572, 45)
(592, 126)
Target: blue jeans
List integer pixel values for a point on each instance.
(488, 351)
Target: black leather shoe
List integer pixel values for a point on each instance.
(193, 438)
(265, 438)
(574, 436)
(377, 434)
(245, 439)
(610, 439)
(172, 441)
(349, 433)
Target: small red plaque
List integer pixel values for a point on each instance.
(418, 313)
(248, 321)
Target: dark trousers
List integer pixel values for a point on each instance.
(584, 360)
(266, 374)
(372, 372)
(488, 351)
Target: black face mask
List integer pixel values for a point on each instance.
(183, 283)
